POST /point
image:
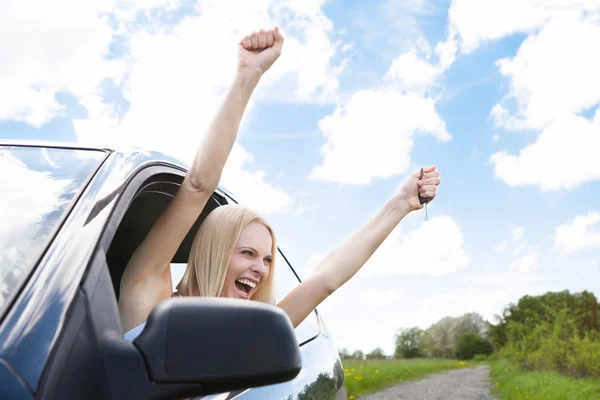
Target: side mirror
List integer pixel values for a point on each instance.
(196, 346)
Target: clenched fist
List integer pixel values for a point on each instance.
(259, 50)
(413, 187)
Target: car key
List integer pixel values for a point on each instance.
(423, 200)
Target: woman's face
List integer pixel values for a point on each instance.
(250, 264)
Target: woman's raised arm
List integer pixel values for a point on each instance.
(348, 258)
(146, 280)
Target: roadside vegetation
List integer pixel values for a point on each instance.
(512, 382)
(543, 347)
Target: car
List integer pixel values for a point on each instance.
(71, 218)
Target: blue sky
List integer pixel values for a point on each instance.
(502, 98)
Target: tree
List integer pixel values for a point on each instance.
(358, 355)
(440, 339)
(471, 344)
(375, 354)
(344, 353)
(408, 343)
(322, 388)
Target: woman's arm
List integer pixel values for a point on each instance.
(147, 278)
(348, 258)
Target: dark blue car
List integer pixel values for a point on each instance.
(70, 218)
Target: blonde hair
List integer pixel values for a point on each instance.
(213, 248)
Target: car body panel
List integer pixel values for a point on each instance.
(31, 327)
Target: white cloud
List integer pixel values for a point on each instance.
(552, 79)
(564, 156)
(583, 232)
(415, 71)
(518, 233)
(49, 48)
(527, 256)
(501, 247)
(251, 188)
(479, 21)
(518, 242)
(520, 247)
(435, 248)
(446, 51)
(412, 72)
(527, 263)
(372, 135)
(28, 197)
(554, 73)
(172, 77)
(178, 75)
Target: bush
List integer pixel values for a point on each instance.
(480, 358)
(471, 344)
(554, 332)
(376, 354)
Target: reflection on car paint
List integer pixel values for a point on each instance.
(321, 378)
(38, 187)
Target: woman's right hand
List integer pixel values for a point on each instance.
(259, 50)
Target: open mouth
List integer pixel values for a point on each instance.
(244, 287)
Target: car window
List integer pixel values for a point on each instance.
(285, 281)
(38, 186)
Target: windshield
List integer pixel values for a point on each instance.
(38, 185)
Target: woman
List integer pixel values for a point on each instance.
(233, 254)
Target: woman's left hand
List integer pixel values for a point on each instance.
(413, 187)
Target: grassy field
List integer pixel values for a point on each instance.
(363, 377)
(512, 383)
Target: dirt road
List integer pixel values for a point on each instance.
(462, 384)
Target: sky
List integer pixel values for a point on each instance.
(503, 97)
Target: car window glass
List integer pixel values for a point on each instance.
(285, 281)
(38, 185)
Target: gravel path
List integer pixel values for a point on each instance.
(461, 384)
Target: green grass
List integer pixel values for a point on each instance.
(513, 383)
(364, 377)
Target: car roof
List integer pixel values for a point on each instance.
(140, 153)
